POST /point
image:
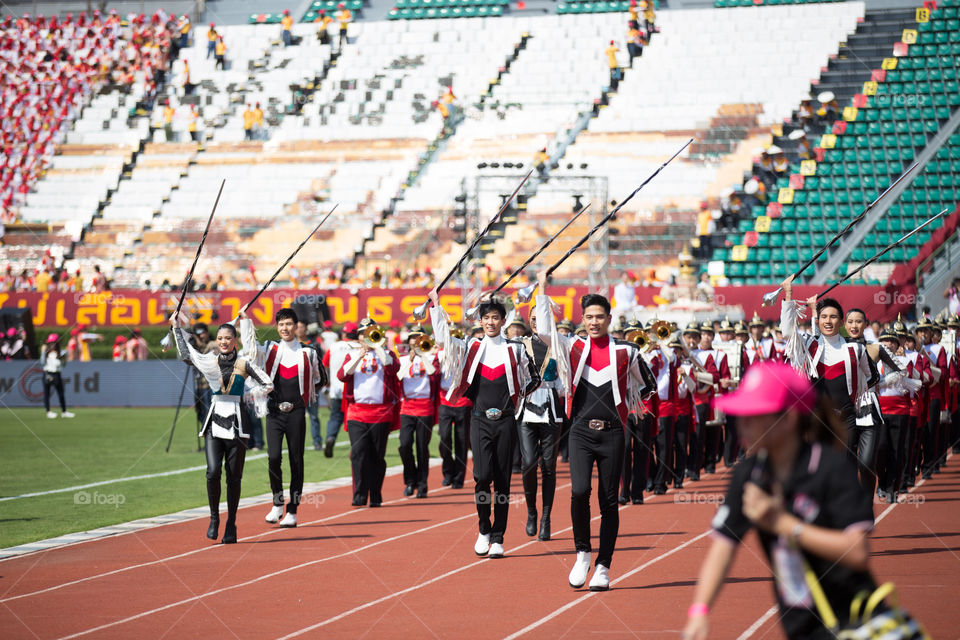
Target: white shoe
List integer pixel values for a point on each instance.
(581, 567)
(289, 520)
(496, 550)
(601, 579)
(274, 516)
(51, 414)
(67, 414)
(482, 547)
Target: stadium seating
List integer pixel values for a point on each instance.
(722, 4)
(896, 114)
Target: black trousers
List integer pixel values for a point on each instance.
(454, 429)
(606, 449)
(492, 442)
(415, 432)
(681, 435)
(53, 381)
(368, 448)
(231, 454)
(538, 444)
(698, 440)
(912, 453)
(891, 448)
(637, 453)
(955, 431)
(664, 451)
(862, 446)
(929, 453)
(293, 426)
(731, 442)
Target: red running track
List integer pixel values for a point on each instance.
(408, 570)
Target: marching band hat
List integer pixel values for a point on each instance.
(707, 326)
(675, 344)
(692, 328)
(518, 322)
(954, 322)
(924, 324)
(726, 326)
(366, 322)
(634, 325)
(889, 334)
(565, 324)
(740, 329)
(756, 321)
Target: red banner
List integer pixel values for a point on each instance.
(130, 308)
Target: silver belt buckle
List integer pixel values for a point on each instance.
(493, 414)
(598, 425)
(285, 407)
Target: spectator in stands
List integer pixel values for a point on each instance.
(829, 110)
(188, 86)
(260, 131)
(249, 119)
(705, 289)
(184, 28)
(168, 113)
(192, 125)
(632, 10)
(634, 41)
(806, 114)
(286, 24)
(612, 52)
(952, 294)
(212, 38)
(649, 17)
(221, 50)
(541, 160)
(323, 21)
(781, 166)
(625, 298)
(344, 17)
(136, 346)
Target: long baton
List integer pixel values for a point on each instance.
(186, 283)
(287, 261)
(473, 310)
(421, 312)
(770, 298)
(877, 255)
(526, 293)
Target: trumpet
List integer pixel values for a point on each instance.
(423, 345)
(373, 336)
(456, 332)
(663, 329)
(638, 337)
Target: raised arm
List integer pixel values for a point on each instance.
(252, 350)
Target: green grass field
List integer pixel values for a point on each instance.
(42, 454)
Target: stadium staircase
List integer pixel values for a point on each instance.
(858, 157)
(934, 275)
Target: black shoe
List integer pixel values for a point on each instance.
(457, 485)
(638, 500)
(659, 491)
(623, 499)
(359, 502)
(374, 504)
(446, 482)
(678, 485)
(214, 527)
(687, 474)
(531, 523)
(408, 490)
(710, 470)
(421, 493)
(695, 477)
(544, 527)
(328, 447)
(229, 533)
(927, 475)
(649, 487)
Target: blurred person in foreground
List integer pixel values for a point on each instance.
(799, 489)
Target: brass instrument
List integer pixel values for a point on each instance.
(456, 332)
(662, 329)
(638, 337)
(373, 336)
(423, 345)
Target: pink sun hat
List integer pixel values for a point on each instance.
(769, 387)
(53, 337)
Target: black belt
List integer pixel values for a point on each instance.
(598, 425)
(281, 407)
(491, 414)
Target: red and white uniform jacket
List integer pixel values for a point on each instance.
(419, 385)
(571, 354)
(371, 388)
(445, 382)
(938, 358)
(895, 388)
(764, 350)
(286, 359)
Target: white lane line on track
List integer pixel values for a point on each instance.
(210, 547)
(273, 574)
(759, 622)
(591, 594)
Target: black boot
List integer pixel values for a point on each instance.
(233, 501)
(545, 524)
(531, 522)
(214, 527)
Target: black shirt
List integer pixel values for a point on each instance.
(822, 490)
(594, 403)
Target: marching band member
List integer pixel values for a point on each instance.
(295, 373)
(539, 435)
(758, 347)
(700, 342)
(684, 414)
(864, 438)
(226, 426)
(731, 440)
(953, 324)
(948, 382)
(496, 375)
(638, 440)
(454, 419)
(838, 368)
(419, 384)
(603, 379)
(893, 393)
(918, 360)
(371, 392)
(664, 366)
(936, 394)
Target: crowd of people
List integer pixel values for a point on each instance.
(51, 67)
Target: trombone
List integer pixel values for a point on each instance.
(423, 345)
(373, 337)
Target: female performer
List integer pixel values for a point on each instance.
(227, 425)
(52, 363)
